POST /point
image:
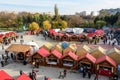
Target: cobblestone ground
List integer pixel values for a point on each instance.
(13, 68)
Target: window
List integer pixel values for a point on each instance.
(68, 62)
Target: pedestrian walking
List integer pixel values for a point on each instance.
(65, 72)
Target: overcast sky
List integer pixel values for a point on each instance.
(64, 6)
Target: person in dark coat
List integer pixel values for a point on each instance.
(12, 56)
(21, 72)
(89, 74)
(2, 64)
(65, 72)
(45, 78)
(30, 75)
(115, 77)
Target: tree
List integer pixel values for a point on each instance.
(46, 25)
(100, 24)
(33, 26)
(56, 11)
(63, 24)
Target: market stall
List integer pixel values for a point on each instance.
(114, 53)
(74, 37)
(54, 34)
(66, 37)
(98, 52)
(83, 50)
(21, 51)
(69, 60)
(105, 66)
(86, 61)
(40, 56)
(53, 59)
(59, 36)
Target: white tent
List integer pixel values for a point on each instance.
(68, 29)
(35, 46)
(56, 30)
(78, 30)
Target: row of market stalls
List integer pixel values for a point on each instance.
(73, 34)
(71, 57)
(5, 76)
(8, 34)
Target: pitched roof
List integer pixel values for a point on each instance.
(18, 48)
(60, 34)
(88, 56)
(48, 45)
(5, 76)
(59, 46)
(84, 47)
(113, 50)
(23, 77)
(57, 54)
(55, 33)
(106, 58)
(43, 52)
(100, 49)
(71, 54)
(73, 47)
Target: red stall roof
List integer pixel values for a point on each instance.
(5, 76)
(55, 33)
(90, 34)
(23, 77)
(57, 54)
(68, 34)
(60, 34)
(43, 52)
(71, 54)
(51, 31)
(1, 35)
(106, 58)
(88, 56)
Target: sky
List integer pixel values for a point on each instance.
(64, 6)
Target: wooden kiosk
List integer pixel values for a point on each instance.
(40, 56)
(66, 37)
(69, 60)
(105, 66)
(53, 59)
(74, 37)
(86, 61)
(59, 36)
(20, 51)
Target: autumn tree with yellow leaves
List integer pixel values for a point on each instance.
(33, 26)
(46, 25)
